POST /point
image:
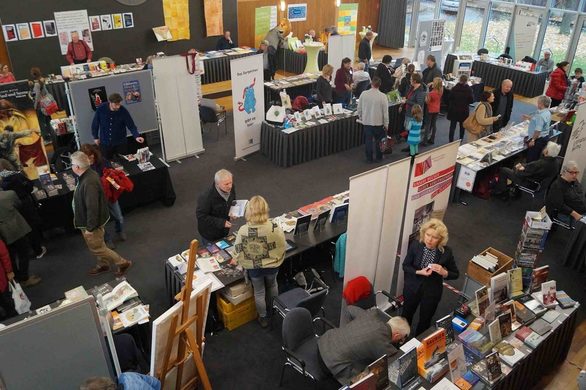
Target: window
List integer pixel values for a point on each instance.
(499, 22)
(579, 60)
(449, 12)
(408, 18)
(558, 34)
(470, 41)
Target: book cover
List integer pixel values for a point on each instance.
(535, 306)
(515, 282)
(494, 331)
(432, 361)
(208, 264)
(463, 384)
(407, 367)
(533, 340)
(548, 294)
(505, 324)
(523, 332)
(540, 327)
(446, 323)
(482, 300)
(229, 274)
(538, 276)
(508, 354)
(523, 314)
(367, 382)
(499, 287)
(380, 369)
(456, 361)
(493, 366)
(510, 307)
(119, 294)
(222, 244)
(550, 316)
(564, 300)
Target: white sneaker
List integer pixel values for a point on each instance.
(43, 252)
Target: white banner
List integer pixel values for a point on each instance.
(524, 36)
(576, 150)
(429, 194)
(374, 223)
(68, 22)
(249, 103)
(340, 47)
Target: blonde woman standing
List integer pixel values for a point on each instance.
(260, 249)
(323, 85)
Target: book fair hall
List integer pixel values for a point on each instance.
(307, 194)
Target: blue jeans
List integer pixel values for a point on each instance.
(264, 280)
(116, 213)
(373, 134)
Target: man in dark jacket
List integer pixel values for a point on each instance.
(565, 197)
(385, 71)
(225, 42)
(432, 71)
(90, 211)
(503, 104)
(213, 208)
(544, 168)
(348, 350)
(364, 50)
(269, 60)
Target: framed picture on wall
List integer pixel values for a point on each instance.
(128, 20)
(10, 33)
(37, 29)
(95, 24)
(50, 30)
(24, 31)
(117, 21)
(297, 12)
(106, 22)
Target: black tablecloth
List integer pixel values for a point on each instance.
(149, 186)
(218, 69)
(528, 84)
(449, 63)
(58, 91)
(272, 96)
(575, 255)
(293, 62)
(396, 120)
(309, 143)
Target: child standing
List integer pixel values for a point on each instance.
(433, 101)
(414, 128)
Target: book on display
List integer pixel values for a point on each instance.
(119, 294)
(534, 305)
(407, 368)
(548, 294)
(538, 276)
(515, 282)
(508, 354)
(367, 382)
(510, 307)
(564, 300)
(494, 331)
(524, 315)
(482, 300)
(493, 366)
(432, 362)
(380, 369)
(505, 324)
(456, 361)
(540, 326)
(446, 323)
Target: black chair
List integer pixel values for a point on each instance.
(361, 87)
(529, 59)
(300, 345)
(209, 115)
(307, 299)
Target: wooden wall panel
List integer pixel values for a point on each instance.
(320, 14)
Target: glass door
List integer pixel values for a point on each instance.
(472, 26)
(577, 51)
(499, 23)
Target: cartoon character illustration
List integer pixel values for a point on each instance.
(249, 104)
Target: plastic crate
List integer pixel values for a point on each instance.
(234, 316)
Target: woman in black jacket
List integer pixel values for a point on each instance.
(428, 262)
(385, 71)
(323, 86)
(461, 96)
(406, 80)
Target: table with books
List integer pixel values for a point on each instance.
(298, 85)
(305, 228)
(216, 63)
(151, 183)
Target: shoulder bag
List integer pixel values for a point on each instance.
(472, 125)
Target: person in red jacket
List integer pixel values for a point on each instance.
(6, 303)
(558, 83)
(432, 101)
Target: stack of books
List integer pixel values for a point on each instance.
(488, 261)
(531, 242)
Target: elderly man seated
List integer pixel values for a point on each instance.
(523, 174)
(348, 350)
(565, 197)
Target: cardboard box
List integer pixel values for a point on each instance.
(235, 300)
(483, 276)
(544, 224)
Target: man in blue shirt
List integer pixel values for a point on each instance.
(109, 127)
(538, 131)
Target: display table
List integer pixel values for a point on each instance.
(575, 255)
(300, 85)
(293, 62)
(528, 84)
(149, 186)
(309, 143)
(312, 50)
(217, 69)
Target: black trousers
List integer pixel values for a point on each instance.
(426, 299)
(6, 305)
(109, 151)
(504, 174)
(20, 256)
(453, 124)
(534, 152)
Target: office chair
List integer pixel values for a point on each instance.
(300, 345)
(210, 115)
(311, 299)
(361, 87)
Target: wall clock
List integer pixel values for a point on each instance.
(131, 2)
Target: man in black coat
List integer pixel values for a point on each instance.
(503, 104)
(269, 60)
(432, 71)
(364, 50)
(225, 42)
(213, 208)
(385, 71)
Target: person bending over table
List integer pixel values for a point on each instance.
(109, 127)
(503, 104)
(545, 167)
(428, 262)
(538, 128)
(323, 86)
(558, 83)
(260, 249)
(565, 197)
(225, 42)
(348, 350)
(213, 208)
(343, 82)
(78, 50)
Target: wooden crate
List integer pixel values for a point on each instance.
(483, 276)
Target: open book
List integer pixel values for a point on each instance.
(119, 295)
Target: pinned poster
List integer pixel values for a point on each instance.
(248, 102)
(131, 91)
(24, 32)
(9, 33)
(69, 22)
(576, 150)
(37, 30)
(97, 96)
(347, 18)
(50, 29)
(176, 14)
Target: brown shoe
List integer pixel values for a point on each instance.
(31, 281)
(99, 269)
(123, 268)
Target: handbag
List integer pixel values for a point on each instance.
(21, 302)
(472, 125)
(386, 144)
(47, 103)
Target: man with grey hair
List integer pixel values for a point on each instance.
(346, 351)
(542, 170)
(538, 130)
(269, 60)
(546, 63)
(213, 207)
(360, 74)
(90, 211)
(503, 104)
(565, 197)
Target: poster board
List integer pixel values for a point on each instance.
(214, 17)
(176, 97)
(374, 232)
(347, 22)
(466, 178)
(429, 194)
(85, 93)
(176, 14)
(430, 39)
(339, 47)
(297, 12)
(265, 19)
(248, 102)
(576, 150)
(524, 31)
(161, 328)
(68, 22)
(56, 350)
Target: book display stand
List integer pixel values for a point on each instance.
(182, 333)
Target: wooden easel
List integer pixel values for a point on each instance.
(181, 330)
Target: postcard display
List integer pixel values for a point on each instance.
(176, 90)
(136, 89)
(374, 232)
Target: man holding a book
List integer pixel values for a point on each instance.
(213, 208)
